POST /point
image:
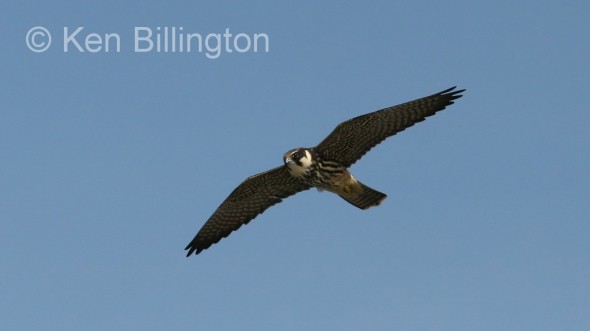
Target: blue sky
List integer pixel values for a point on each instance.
(111, 162)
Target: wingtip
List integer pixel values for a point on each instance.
(452, 94)
(192, 249)
(452, 90)
(448, 90)
(190, 252)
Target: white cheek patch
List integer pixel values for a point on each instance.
(306, 161)
(299, 170)
(295, 169)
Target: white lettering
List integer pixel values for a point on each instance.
(93, 39)
(145, 39)
(248, 42)
(72, 39)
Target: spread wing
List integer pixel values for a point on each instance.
(252, 197)
(354, 138)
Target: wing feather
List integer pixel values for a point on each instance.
(252, 197)
(352, 139)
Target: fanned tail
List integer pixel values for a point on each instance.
(367, 198)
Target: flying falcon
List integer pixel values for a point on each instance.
(324, 167)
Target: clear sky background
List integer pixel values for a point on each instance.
(111, 162)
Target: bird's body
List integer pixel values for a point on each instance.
(324, 167)
(308, 166)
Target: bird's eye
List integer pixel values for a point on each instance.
(295, 155)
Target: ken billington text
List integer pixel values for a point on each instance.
(167, 40)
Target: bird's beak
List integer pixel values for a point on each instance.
(288, 160)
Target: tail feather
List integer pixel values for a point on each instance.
(367, 198)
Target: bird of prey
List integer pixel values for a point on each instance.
(324, 167)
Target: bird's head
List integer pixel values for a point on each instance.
(298, 160)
